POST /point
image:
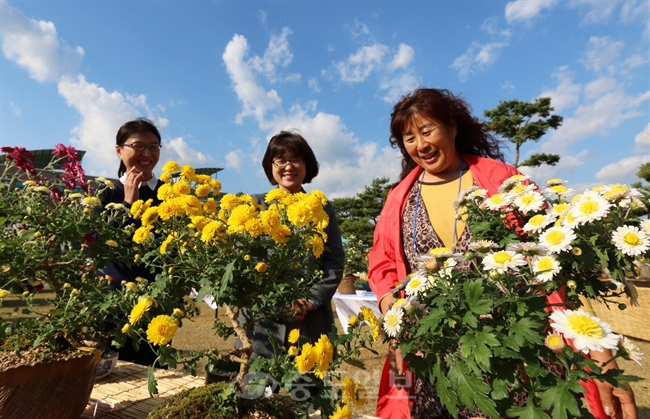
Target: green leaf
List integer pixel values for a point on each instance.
(562, 398)
(226, 279)
(151, 382)
(530, 411)
(205, 290)
(475, 299)
(443, 387)
(524, 331)
(472, 390)
(356, 363)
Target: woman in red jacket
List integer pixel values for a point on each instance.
(445, 150)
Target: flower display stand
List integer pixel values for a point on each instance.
(124, 395)
(631, 322)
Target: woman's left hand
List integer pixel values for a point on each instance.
(301, 308)
(617, 402)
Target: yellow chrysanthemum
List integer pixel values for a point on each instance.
(202, 190)
(178, 313)
(317, 245)
(216, 186)
(353, 320)
(292, 351)
(368, 315)
(198, 223)
(212, 230)
(324, 351)
(188, 173)
(141, 234)
(161, 329)
(320, 195)
(229, 201)
(111, 243)
(349, 391)
(4, 293)
(131, 286)
(294, 335)
(149, 216)
(166, 192)
(202, 179)
(166, 177)
(274, 195)
(238, 218)
(299, 213)
(126, 328)
(281, 234)
(192, 205)
(181, 188)
(342, 413)
(165, 244)
(139, 309)
(210, 206)
(254, 227)
(166, 210)
(306, 360)
(91, 201)
(171, 167)
(261, 267)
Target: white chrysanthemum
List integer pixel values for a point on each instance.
(588, 333)
(560, 209)
(554, 181)
(645, 226)
(559, 190)
(448, 266)
(393, 322)
(519, 189)
(567, 220)
(528, 249)
(482, 245)
(497, 201)
(502, 261)
(546, 267)
(557, 239)
(512, 181)
(629, 350)
(590, 208)
(538, 222)
(469, 195)
(631, 240)
(529, 201)
(415, 285)
(615, 191)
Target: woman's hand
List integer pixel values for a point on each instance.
(617, 402)
(132, 185)
(301, 308)
(397, 367)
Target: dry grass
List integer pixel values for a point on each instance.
(196, 334)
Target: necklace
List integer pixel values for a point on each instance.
(417, 205)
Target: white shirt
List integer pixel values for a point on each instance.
(151, 183)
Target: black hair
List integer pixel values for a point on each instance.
(131, 128)
(294, 143)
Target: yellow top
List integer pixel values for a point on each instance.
(439, 201)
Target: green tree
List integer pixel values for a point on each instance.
(524, 121)
(644, 173)
(358, 215)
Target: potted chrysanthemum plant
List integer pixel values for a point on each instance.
(504, 319)
(55, 236)
(255, 262)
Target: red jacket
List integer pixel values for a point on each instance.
(387, 267)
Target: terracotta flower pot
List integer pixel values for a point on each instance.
(60, 389)
(347, 285)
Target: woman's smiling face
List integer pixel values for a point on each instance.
(432, 145)
(291, 174)
(144, 160)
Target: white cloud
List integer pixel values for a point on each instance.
(566, 93)
(596, 118)
(601, 86)
(233, 160)
(525, 10)
(359, 65)
(566, 167)
(15, 109)
(481, 55)
(312, 83)
(642, 141)
(478, 58)
(255, 100)
(102, 113)
(402, 58)
(358, 29)
(346, 164)
(595, 11)
(35, 46)
(601, 53)
(622, 171)
(277, 55)
(397, 86)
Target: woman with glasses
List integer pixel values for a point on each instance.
(138, 146)
(289, 162)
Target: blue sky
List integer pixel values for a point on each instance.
(221, 77)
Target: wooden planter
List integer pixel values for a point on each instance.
(631, 322)
(60, 389)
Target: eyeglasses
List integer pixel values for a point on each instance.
(153, 148)
(281, 164)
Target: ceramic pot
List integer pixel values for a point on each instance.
(59, 389)
(347, 285)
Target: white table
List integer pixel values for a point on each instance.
(350, 305)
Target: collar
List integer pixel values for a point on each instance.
(151, 183)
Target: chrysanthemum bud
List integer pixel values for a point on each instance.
(576, 251)
(571, 284)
